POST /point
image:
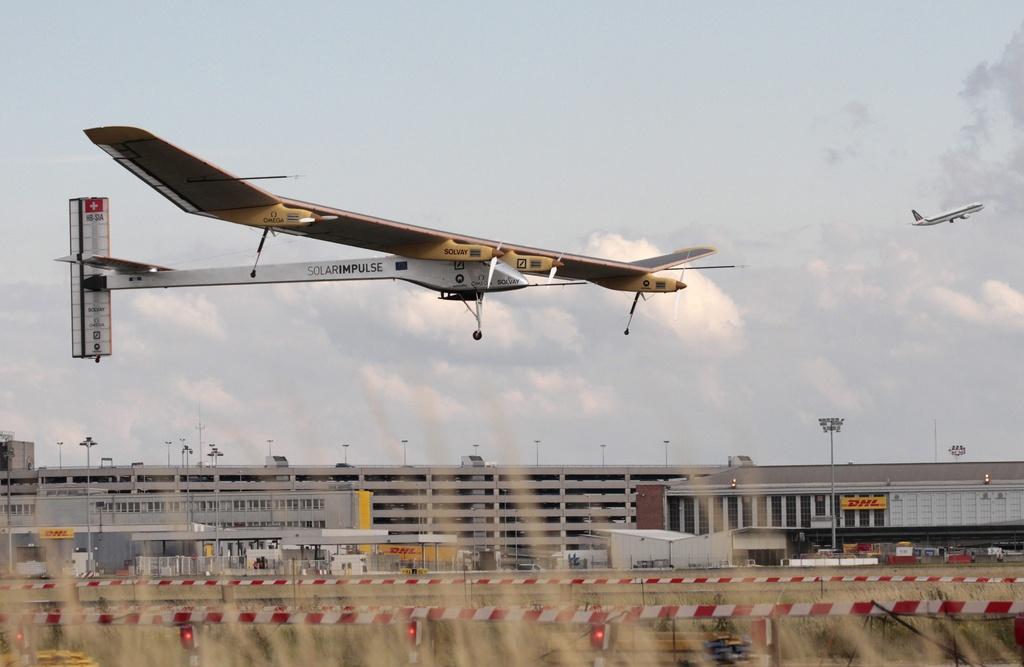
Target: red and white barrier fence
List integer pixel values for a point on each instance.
(551, 581)
(638, 614)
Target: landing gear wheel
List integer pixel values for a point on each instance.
(626, 332)
(477, 335)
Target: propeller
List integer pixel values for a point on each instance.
(675, 308)
(554, 269)
(494, 264)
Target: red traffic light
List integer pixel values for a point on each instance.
(187, 636)
(599, 637)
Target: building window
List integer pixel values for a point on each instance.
(777, 511)
(805, 511)
(702, 515)
(746, 502)
(762, 511)
(791, 511)
(732, 508)
(879, 517)
(688, 515)
(717, 519)
(674, 522)
(848, 518)
(819, 505)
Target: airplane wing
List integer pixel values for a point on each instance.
(198, 187)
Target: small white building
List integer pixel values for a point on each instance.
(631, 549)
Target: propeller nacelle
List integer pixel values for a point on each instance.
(530, 263)
(648, 283)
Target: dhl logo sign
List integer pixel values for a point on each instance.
(397, 550)
(862, 502)
(56, 533)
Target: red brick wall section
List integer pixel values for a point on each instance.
(650, 506)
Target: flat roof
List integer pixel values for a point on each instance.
(647, 533)
(862, 473)
(291, 536)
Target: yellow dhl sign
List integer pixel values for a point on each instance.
(402, 549)
(56, 533)
(862, 502)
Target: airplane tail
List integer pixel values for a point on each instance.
(917, 216)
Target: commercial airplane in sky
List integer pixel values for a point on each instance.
(961, 213)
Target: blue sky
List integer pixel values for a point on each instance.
(795, 136)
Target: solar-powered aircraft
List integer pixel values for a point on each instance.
(458, 266)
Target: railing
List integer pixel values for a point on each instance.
(155, 567)
(189, 566)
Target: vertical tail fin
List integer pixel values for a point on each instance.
(917, 216)
(90, 309)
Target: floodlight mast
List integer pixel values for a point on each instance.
(832, 425)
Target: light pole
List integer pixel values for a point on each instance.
(666, 452)
(185, 451)
(60, 452)
(269, 443)
(832, 425)
(602, 454)
(344, 448)
(214, 455)
(405, 451)
(168, 443)
(8, 461)
(536, 451)
(88, 443)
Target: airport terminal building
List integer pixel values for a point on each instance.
(531, 511)
(962, 504)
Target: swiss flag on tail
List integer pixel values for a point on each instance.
(93, 205)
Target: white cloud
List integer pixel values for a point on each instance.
(707, 316)
(209, 393)
(830, 382)
(390, 387)
(561, 393)
(1000, 305)
(193, 313)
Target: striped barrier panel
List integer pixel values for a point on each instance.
(487, 581)
(636, 614)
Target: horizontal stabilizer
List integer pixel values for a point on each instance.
(115, 264)
(675, 258)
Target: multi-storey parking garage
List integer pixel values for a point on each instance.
(532, 509)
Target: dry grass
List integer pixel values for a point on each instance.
(853, 641)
